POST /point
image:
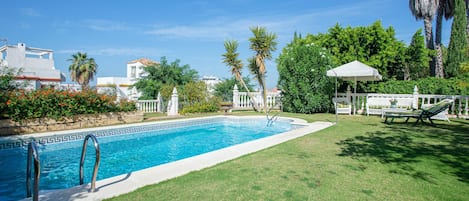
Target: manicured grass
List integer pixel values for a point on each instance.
(361, 158)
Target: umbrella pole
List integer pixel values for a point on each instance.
(336, 121)
(355, 98)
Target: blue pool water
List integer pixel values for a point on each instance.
(121, 154)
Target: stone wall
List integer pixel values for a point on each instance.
(9, 127)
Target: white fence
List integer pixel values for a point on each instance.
(242, 101)
(459, 108)
(148, 105)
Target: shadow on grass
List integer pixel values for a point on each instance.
(412, 148)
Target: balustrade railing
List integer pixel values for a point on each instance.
(459, 108)
(148, 105)
(242, 101)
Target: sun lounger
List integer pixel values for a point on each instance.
(420, 115)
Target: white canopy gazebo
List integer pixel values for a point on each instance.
(355, 71)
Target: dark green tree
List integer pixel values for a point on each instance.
(458, 40)
(164, 73)
(418, 57)
(374, 45)
(302, 67)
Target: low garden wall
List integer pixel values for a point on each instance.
(10, 127)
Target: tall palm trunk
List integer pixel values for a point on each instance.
(439, 52)
(251, 97)
(264, 93)
(467, 17)
(430, 43)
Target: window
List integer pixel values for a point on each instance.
(133, 71)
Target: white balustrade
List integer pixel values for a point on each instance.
(459, 108)
(147, 105)
(242, 101)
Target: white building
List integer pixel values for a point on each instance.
(121, 86)
(36, 64)
(211, 81)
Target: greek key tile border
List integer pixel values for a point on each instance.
(22, 142)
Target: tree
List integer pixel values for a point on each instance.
(7, 84)
(263, 44)
(458, 40)
(417, 58)
(82, 69)
(224, 89)
(230, 58)
(373, 45)
(7, 79)
(302, 67)
(446, 9)
(426, 9)
(164, 73)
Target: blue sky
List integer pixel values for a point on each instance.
(115, 32)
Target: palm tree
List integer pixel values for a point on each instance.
(446, 9)
(82, 69)
(230, 58)
(263, 44)
(426, 9)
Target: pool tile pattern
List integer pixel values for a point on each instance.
(16, 142)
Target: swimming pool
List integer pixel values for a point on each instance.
(137, 148)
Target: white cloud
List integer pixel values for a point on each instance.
(93, 24)
(137, 52)
(238, 28)
(105, 25)
(30, 12)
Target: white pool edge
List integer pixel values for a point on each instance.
(126, 183)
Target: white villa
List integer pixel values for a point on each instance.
(36, 64)
(211, 81)
(120, 86)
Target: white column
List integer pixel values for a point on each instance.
(415, 95)
(235, 96)
(158, 105)
(173, 110)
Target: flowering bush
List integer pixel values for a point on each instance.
(55, 104)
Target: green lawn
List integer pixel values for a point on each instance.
(361, 158)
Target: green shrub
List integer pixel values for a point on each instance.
(127, 106)
(212, 105)
(56, 104)
(302, 70)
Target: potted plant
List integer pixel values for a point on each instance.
(393, 102)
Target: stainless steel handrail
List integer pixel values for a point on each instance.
(33, 154)
(272, 119)
(96, 164)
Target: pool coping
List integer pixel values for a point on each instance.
(126, 183)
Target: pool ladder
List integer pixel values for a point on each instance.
(33, 155)
(96, 163)
(272, 119)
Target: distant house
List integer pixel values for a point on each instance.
(36, 64)
(211, 81)
(121, 86)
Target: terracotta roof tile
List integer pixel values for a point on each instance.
(144, 61)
